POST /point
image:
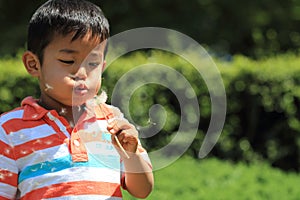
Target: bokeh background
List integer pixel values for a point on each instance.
(253, 28)
(255, 45)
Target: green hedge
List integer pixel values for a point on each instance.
(15, 84)
(262, 121)
(263, 110)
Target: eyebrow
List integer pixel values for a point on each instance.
(68, 51)
(92, 54)
(71, 51)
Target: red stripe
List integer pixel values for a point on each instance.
(4, 198)
(6, 150)
(75, 188)
(42, 143)
(8, 177)
(14, 125)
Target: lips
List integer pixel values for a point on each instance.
(80, 89)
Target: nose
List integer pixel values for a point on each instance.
(81, 73)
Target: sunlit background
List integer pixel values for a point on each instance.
(255, 45)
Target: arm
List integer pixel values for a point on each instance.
(8, 169)
(139, 179)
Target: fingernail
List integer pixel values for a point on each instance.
(113, 131)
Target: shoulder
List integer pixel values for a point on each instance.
(110, 111)
(116, 112)
(16, 113)
(9, 120)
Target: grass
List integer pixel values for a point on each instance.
(211, 178)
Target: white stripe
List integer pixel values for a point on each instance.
(43, 155)
(3, 136)
(86, 197)
(70, 175)
(145, 156)
(28, 134)
(101, 148)
(7, 191)
(59, 124)
(99, 125)
(8, 164)
(18, 114)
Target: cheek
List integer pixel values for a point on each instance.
(55, 81)
(95, 83)
(98, 85)
(95, 79)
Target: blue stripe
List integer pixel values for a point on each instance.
(106, 136)
(99, 161)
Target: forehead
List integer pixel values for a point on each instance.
(85, 44)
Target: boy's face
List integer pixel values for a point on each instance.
(71, 70)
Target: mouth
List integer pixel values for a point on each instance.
(80, 89)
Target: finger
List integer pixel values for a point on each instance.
(127, 137)
(121, 137)
(128, 141)
(118, 125)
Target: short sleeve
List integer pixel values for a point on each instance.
(8, 168)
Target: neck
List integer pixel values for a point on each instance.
(70, 113)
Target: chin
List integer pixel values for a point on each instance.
(77, 103)
(80, 101)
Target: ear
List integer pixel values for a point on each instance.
(31, 63)
(103, 66)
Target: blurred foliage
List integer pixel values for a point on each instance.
(216, 179)
(253, 28)
(15, 84)
(263, 110)
(262, 121)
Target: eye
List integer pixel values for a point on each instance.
(94, 64)
(68, 62)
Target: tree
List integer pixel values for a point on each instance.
(253, 28)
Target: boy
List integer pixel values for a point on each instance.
(61, 146)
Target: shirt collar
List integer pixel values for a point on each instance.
(32, 110)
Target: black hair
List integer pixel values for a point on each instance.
(64, 17)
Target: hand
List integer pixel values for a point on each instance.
(126, 134)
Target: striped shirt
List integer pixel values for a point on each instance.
(42, 157)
